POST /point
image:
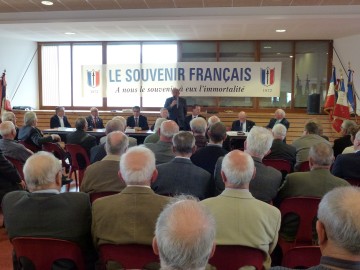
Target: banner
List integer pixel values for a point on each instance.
(208, 79)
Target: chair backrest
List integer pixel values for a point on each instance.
(304, 166)
(306, 209)
(96, 195)
(29, 146)
(304, 257)
(77, 153)
(279, 164)
(232, 257)
(18, 165)
(130, 256)
(56, 150)
(42, 252)
(354, 182)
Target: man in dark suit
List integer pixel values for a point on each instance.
(195, 113)
(93, 120)
(45, 212)
(279, 119)
(341, 143)
(242, 124)
(347, 166)
(59, 119)
(177, 108)
(80, 137)
(181, 176)
(137, 121)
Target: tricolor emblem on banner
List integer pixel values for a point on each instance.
(93, 78)
(267, 76)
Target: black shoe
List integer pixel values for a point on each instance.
(66, 181)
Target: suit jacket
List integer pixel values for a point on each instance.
(260, 222)
(206, 157)
(162, 151)
(33, 136)
(236, 125)
(128, 217)
(283, 121)
(103, 176)
(347, 166)
(178, 112)
(200, 141)
(281, 150)
(82, 138)
(181, 176)
(55, 122)
(188, 119)
(143, 123)
(15, 150)
(99, 122)
(9, 177)
(266, 182)
(341, 143)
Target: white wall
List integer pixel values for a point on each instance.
(15, 56)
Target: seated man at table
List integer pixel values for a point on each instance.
(59, 119)
(242, 124)
(195, 113)
(137, 121)
(93, 120)
(278, 119)
(30, 134)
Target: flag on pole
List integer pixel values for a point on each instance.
(350, 93)
(3, 91)
(341, 110)
(330, 98)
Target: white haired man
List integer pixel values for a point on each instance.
(198, 127)
(279, 118)
(93, 120)
(184, 236)
(177, 108)
(10, 116)
(260, 222)
(155, 137)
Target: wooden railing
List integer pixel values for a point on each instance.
(297, 120)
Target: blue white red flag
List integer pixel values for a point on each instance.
(330, 98)
(341, 110)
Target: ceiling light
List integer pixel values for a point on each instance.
(70, 33)
(280, 30)
(291, 56)
(47, 3)
(278, 53)
(267, 47)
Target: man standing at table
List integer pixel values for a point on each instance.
(177, 108)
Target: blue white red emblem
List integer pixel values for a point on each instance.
(93, 78)
(267, 76)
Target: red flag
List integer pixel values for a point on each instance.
(330, 98)
(341, 110)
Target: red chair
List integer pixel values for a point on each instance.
(96, 195)
(18, 165)
(304, 166)
(304, 257)
(130, 256)
(232, 257)
(57, 151)
(42, 252)
(29, 146)
(79, 162)
(279, 164)
(354, 182)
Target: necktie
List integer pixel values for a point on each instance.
(136, 122)
(241, 126)
(94, 122)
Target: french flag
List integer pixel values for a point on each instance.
(330, 98)
(341, 110)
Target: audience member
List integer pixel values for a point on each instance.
(164, 113)
(352, 131)
(59, 119)
(184, 236)
(338, 230)
(341, 143)
(347, 166)
(212, 120)
(279, 119)
(198, 127)
(10, 116)
(103, 175)
(196, 109)
(163, 148)
(242, 124)
(45, 212)
(279, 149)
(137, 121)
(80, 137)
(314, 183)
(180, 175)
(309, 138)
(241, 219)
(93, 120)
(267, 180)
(207, 156)
(30, 134)
(177, 108)
(10, 147)
(155, 137)
(130, 216)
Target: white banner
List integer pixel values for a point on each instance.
(210, 79)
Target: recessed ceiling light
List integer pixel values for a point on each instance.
(47, 3)
(70, 33)
(278, 53)
(267, 47)
(291, 56)
(280, 30)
